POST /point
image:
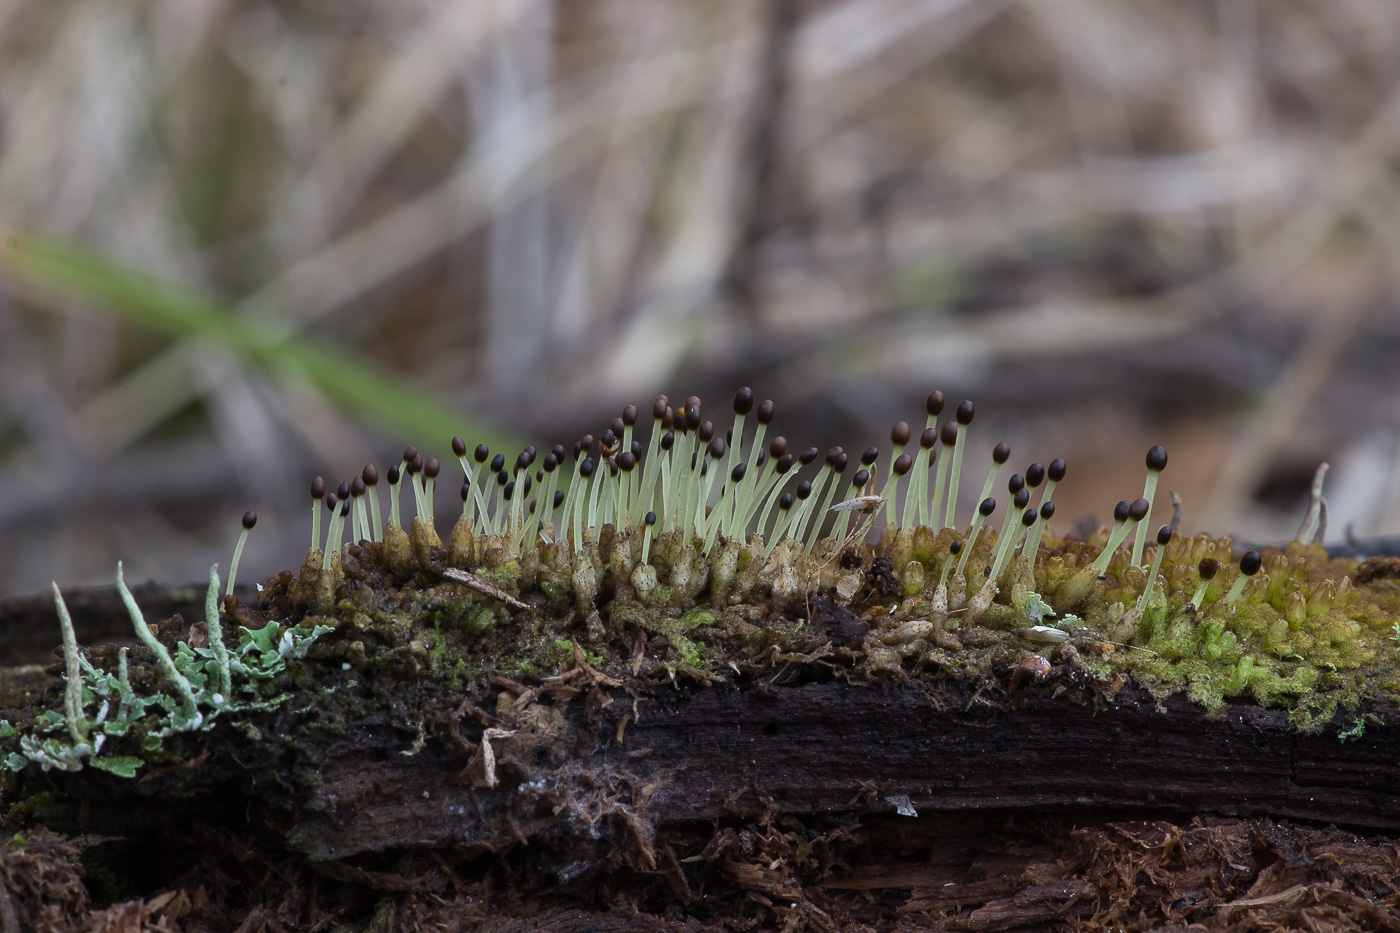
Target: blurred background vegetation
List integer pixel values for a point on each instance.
(247, 241)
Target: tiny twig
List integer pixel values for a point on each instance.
(1314, 524)
(481, 586)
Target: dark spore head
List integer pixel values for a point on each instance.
(559, 453)
(1164, 535)
(1157, 459)
(585, 469)
(1120, 511)
(717, 447)
(525, 490)
(585, 443)
(459, 447)
(785, 501)
(668, 440)
(1251, 562)
(332, 500)
(743, 401)
(1056, 470)
(551, 462)
(1015, 482)
(318, 488)
(508, 491)
(765, 412)
(808, 455)
(860, 479)
(524, 459)
(870, 456)
(804, 489)
(706, 431)
(955, 548)
(342, 492)
(1139, 509)
(608, 438)
(629, 416)
(949, 434)
(650, 518)
(416, 465)
(1028, 517)
(466, 490)
(393, 475)
(1023, 496)
(659, 406)
(1001, 453)
(964, 412)
(409, 453)
(1047, 510)
(558, 498)
(928, 438)
(783, 464)
(370, 474)
(481, 453)
(669, 420)
(357, 487)
(637, 449)
(431, 468)
(345, 508)
(737, 474)
(502, 478)
(902, 464)
(900, 433)
(934, 403)
(777, 447)
(627, 461)
(498, 463)
(987, 507)
(250, 518)
(1035, 475)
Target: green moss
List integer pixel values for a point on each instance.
(438, 652)
(565, 649)
(505, 575)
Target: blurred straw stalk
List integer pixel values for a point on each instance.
(1111, 224)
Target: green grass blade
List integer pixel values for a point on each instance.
(357, 385)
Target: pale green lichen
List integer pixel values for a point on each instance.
(208, 683)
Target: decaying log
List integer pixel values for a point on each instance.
(833, 748)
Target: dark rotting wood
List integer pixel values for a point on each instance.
(834, 748)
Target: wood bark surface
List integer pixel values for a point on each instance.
(831, 748)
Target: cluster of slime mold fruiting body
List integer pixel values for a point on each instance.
(698, 514)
